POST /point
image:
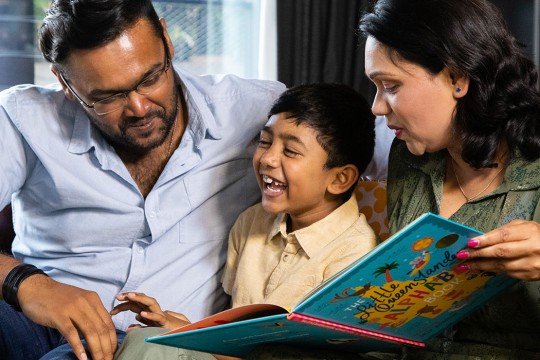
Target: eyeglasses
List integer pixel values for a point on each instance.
(117, 101)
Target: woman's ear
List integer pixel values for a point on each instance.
(460, 86)
(345, 177)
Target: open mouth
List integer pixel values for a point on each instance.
(273, 185)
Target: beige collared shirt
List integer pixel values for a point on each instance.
(267, 265)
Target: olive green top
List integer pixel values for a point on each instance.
(508, 326)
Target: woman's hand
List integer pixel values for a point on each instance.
(148, 311)
(513, 249)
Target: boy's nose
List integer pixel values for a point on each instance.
(269, 158)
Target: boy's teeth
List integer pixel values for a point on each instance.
(269, 180)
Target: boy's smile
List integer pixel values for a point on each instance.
(272, 186)
(290, 166)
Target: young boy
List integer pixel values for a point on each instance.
(318, 140)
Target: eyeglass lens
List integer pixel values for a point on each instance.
(148, 85)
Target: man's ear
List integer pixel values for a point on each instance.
(344, 177)
(65, 89)
(167, 37)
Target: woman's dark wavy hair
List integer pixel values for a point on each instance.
(471, 39)
(86, 24)
(341, 117)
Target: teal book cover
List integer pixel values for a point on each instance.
(403, 292)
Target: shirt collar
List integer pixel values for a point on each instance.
(519, 175)
(316, 236)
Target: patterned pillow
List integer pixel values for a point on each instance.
(371, 196)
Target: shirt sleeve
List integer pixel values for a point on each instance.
(13, 154)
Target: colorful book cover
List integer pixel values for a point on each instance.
(403, 292)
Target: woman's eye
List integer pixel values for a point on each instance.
(389, 88)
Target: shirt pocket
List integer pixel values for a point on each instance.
(217, 196)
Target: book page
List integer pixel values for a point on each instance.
(233, 315)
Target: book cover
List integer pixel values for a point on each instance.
(404, 291)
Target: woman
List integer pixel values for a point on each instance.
(461, 98)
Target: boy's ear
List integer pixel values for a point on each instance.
(345, 177)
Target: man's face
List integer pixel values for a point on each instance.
(143, 121)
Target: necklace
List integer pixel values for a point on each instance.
(482, 191)
(172, 135)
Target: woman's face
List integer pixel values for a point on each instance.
(418, 106)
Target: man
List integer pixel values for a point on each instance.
(127, 178)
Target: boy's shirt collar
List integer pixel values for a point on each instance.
(315, 237)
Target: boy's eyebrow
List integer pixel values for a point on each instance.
(267, 129)
(285, 136)
(292, 138)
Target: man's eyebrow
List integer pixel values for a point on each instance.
(101, 93)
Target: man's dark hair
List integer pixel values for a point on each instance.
(86, 24)
(341, 117)
(472, 40)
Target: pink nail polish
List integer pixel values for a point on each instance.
(458, 269)
(473, 243)
(462, 254)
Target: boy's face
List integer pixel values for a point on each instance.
(289, 165)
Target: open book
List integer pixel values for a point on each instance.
(403, 292)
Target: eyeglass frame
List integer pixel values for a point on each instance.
(164, 70)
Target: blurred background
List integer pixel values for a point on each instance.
(293, 41)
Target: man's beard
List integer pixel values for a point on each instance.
(131, 144)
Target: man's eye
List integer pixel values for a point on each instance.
(110, 99)
(150, 81)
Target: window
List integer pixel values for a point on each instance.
(210, 36)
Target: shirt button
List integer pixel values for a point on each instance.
(140, 249)
(152, 214)
(285, 257)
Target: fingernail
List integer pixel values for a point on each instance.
(473, 243)
(462, 254)
(83, 356)
(458, 269)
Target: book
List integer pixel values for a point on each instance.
(402, 293)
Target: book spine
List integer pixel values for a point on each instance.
(351, 329)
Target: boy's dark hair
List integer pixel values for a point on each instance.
(86, 24)
(471, 39)
(341, 117)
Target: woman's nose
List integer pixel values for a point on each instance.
(380, 107)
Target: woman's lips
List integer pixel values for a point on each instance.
(397, 130)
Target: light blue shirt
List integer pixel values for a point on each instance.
(80, 217)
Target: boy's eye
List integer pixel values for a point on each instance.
(264, 143)
(290, 153)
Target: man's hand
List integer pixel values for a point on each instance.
(71, 311)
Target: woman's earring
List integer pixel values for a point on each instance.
(458, 89)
